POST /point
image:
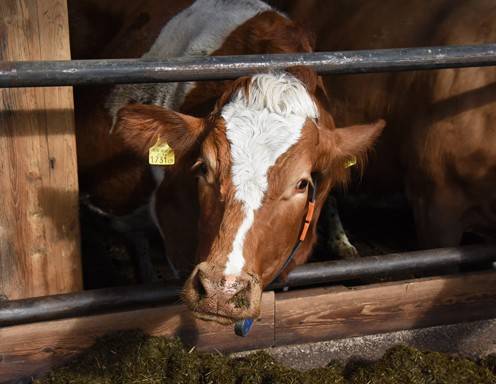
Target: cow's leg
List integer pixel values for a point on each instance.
(438, 218)
(141, 255)
(337, 242)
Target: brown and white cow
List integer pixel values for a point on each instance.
(440, 143)
(247, 153)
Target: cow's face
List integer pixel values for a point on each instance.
(255, 158)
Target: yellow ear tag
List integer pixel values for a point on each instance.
(161, 154)
(350, 162)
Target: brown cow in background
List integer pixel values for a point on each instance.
(440, 143)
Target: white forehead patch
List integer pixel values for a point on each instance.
(260, 127)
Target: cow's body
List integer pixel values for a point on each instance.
(247, 153)
(440, 143)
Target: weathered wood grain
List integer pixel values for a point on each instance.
(32, 348)
(317, 314)
(39, 227)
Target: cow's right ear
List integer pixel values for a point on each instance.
(140, 126)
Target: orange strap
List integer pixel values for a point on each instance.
(308, 220)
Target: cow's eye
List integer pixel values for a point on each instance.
(302, 185)
(200, 168)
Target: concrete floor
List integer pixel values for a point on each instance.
(474, 339)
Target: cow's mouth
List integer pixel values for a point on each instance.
(226, 315)
(223, 320)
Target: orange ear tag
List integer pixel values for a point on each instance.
(350, 162)
(161, 154)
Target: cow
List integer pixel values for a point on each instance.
(439, 146)
(249, 160)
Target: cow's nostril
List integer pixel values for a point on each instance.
(199, 287)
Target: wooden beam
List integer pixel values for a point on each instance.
(32, 348)
(319, 314)
(39, 225)
(292, 317)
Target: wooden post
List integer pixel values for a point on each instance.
(39, 226)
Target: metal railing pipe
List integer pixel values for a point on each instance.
(115, 71)
(123, 298)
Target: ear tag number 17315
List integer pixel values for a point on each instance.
(161, 153)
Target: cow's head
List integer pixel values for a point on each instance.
(255, 158)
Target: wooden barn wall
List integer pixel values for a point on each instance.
(39, 225)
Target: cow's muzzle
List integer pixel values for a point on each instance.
(211, 295)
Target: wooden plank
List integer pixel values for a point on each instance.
(39, 226)
(317, 314)
(32, 348)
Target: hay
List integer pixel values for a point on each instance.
(132, 357)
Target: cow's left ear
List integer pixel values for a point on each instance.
(340, 145)
(356, 140)
(142, 126)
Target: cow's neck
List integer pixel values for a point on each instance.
(196, 31)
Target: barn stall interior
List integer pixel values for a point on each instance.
(399, 283)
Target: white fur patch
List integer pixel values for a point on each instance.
(199, 30)
(260, 128)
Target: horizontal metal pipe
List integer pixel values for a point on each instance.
(386, 265)
(86, 72)
(111, 299)
(13, 312)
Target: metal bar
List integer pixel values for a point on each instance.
(386, 265)
(85, 303)
(86, 72)
(107, 300)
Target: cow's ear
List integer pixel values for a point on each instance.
(356, 140)
(341, 147)
(142, 126)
